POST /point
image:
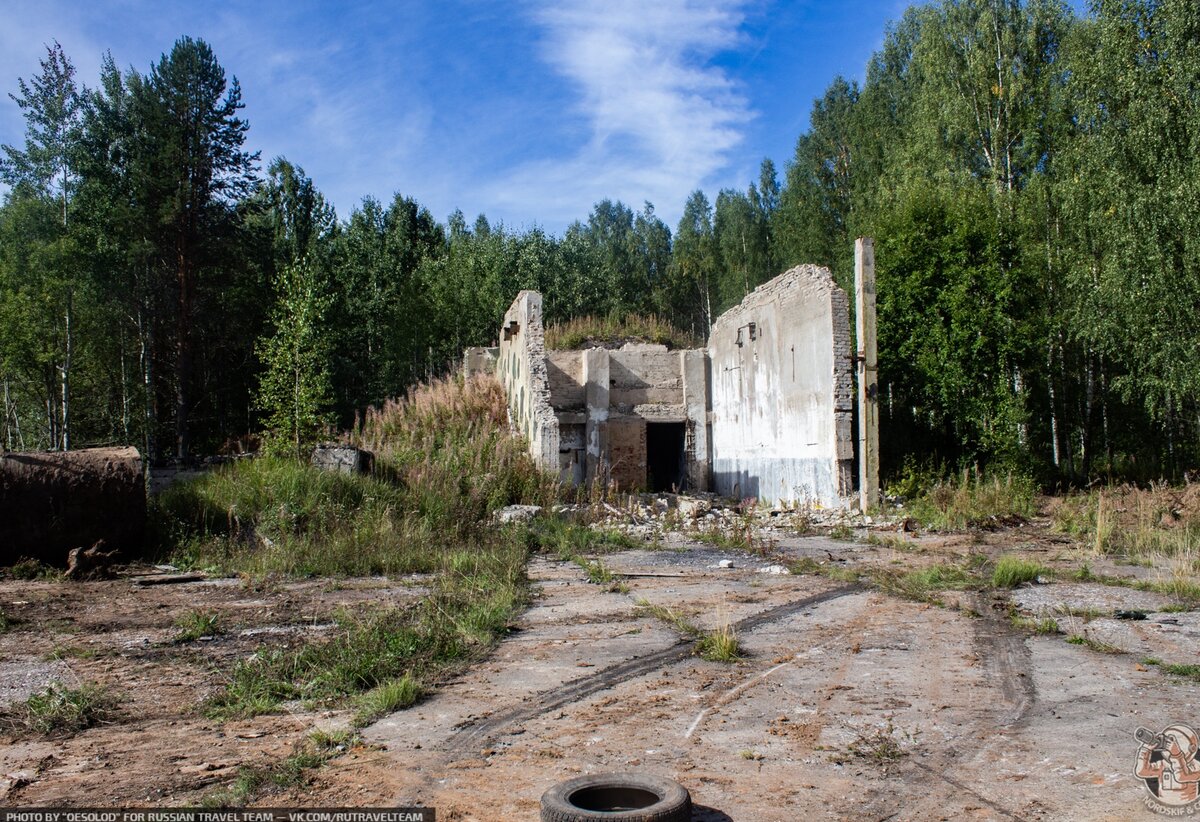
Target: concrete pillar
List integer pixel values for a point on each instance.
(596, 385)
(694, 365)
(868, 373)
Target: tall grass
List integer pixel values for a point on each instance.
(444, 462)
(976, 501)
(1141, 523)
(615, 328)
(1158, 526)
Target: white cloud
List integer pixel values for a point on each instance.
(661, 118)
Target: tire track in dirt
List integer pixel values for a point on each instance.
(1009, 663)
(473, 736)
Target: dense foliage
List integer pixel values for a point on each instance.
(1032, 179)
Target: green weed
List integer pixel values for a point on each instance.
(1045, 625)
(1094, 644)
(470, 606)
(719, 645)
(386, 698)
(1188, 671)
(30, 569)
(195, 624)
(581, 332)
(1011, 571)
(59, 711)
(71, 652)
(314, 751)
(922, 584)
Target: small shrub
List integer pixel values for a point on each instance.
(29, 569)
(976, 501)
(878, 746)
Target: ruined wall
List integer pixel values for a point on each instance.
(782, 393)
(605, 398)
(521, 368)
(564, 370)
(646, 375)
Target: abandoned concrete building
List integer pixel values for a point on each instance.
(765, 411)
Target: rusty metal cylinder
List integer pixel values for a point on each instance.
(51, 502)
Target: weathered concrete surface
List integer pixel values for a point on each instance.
(51, 502)
(603, 400)
(952, 717)
(782, 393)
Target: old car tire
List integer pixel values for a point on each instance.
(625, 797)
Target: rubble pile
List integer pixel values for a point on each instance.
(650, 517)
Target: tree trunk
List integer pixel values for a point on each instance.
(1053, 403)
(124, 390)
(146, 345)
(66, 371)
(7, 416)
(183, 354)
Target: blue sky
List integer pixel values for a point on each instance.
(528, 111)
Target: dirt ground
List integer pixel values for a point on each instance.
(849, 703)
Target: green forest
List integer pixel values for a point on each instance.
(1031, 177)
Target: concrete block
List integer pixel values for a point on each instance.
(347, 459)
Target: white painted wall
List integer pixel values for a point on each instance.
(782, 402)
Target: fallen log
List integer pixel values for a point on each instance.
(53, 502)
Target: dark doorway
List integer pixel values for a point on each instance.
(665, 469)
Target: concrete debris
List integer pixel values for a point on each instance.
(345, 459)
(517, 513)
(725, 563)
(652, 516)
(774, 569)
